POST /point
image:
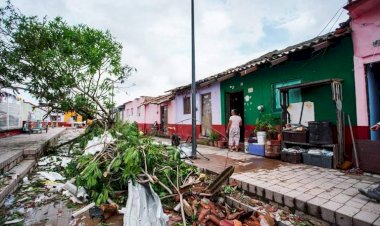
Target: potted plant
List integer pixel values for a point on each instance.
(261, 128)
(222, 143)
(266, 128)
(214, 137)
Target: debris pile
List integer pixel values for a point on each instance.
(120, 171)
(127, 168)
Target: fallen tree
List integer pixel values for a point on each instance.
(121, 165)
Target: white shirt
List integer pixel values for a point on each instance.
(235, 121)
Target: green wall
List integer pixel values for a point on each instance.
(335, 62)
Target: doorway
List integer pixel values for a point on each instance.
(236, 101)
(373, 89)
(164, 119)
(206, 120)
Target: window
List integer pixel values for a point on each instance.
(127, 112)
(186, 105)
(294, 94)
(131, 111)
(138, 111)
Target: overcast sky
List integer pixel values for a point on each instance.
(156, 33)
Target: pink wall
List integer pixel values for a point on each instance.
(365, 26)
(133, 106)
(148, 113)
(152, 113)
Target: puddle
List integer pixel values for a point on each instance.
(218, 163)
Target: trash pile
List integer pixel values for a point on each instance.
(121, 172)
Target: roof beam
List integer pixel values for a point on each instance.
(249, 70)
(227, 76)
(321, 45)
(204, 84)
(279, 60)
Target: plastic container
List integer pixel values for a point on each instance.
(292, 157)
(256, 149)
(261, 137)
(295, 136)
(318, 160)
(320, 132)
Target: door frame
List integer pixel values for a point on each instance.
(163, 125)
(371, 79)
(202, 96)
(228, 109)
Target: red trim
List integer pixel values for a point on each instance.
(10, 133)
(184, 131)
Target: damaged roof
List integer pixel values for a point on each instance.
(272, 58)
(159, 100)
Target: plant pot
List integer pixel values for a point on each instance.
(273, 149)
(215, 143)
(261, 137)
(210, 143)
(222, 144)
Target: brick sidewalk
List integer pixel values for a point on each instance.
(325, 193)
(15, 147)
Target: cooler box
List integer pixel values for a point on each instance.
(256, 149)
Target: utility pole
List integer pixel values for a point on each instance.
(193, 88)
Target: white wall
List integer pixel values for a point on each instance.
(214, 89)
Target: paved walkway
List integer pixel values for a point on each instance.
(24, 140)
(13, 148)
(325, 193)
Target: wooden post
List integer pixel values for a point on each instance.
(284, 98)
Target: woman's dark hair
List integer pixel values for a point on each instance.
(235, 111)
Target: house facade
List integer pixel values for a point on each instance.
(148, 111)
(255, 85)
(365, 23)
(208, 115)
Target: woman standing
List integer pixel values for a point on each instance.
(233, 131)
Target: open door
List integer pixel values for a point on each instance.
(206, 121)
(164, 119)
(236, 101)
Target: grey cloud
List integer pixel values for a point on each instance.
(156, 33)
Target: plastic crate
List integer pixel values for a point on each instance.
(296, 136)
(291, 157)
(320, 133)
(256, 149)
(318, 160)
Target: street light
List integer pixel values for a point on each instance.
(193, 88)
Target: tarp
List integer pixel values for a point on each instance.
(144, 207)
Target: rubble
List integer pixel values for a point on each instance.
(134, 172)
(52, 176)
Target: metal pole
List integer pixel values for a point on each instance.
(193, 88)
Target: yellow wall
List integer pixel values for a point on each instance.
(69, 114)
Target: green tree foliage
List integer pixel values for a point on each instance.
(67, 67)
(129, 158)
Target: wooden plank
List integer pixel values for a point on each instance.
(204, 84)
(249, 70)
(321, 45)
(310, 84)
(225, 77)
(279, 60)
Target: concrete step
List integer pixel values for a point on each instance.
(339, 203)
(9, 159)
(13, 181)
